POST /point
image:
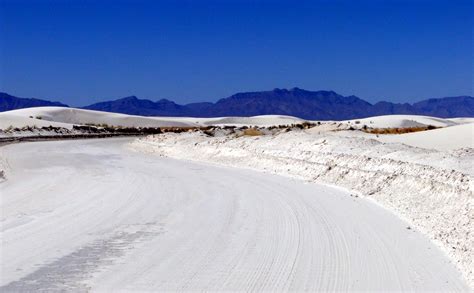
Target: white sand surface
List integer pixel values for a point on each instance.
(13, 119)
(94, 216)
(432, 188)
(449, 138)
(70, 116)
(262, 120)
(401, 121)
(67, 117)
(462, 120)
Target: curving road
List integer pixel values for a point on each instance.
(95, 215)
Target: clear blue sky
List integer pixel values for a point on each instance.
(80, 52)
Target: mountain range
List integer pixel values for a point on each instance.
(8, 102)
(314, 105)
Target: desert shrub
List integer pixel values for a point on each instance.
(308, 125)
(208, 132)
(252, 132)
(103, 125)
(27, 128)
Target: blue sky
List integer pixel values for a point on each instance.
(80, 52)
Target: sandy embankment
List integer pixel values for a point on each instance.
(431, 189)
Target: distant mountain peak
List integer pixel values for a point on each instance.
(133, 98)
(165, 101)
(311, 105)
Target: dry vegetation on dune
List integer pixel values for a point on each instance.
(251, 132)
(398, 130)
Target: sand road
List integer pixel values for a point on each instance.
(93, 215)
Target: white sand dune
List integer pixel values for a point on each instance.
(262, 120)
(462, 120)
(19, 120)
(449, 138)
(70, 116)
(66, 117)
(94, 216)
(401, 121)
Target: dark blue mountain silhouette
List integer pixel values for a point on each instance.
(8, 102)
(134, 106)
(314, 105)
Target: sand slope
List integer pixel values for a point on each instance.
(70, 116)
(449, 138)
(432, 189)
(401, 121)
(66, 117)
